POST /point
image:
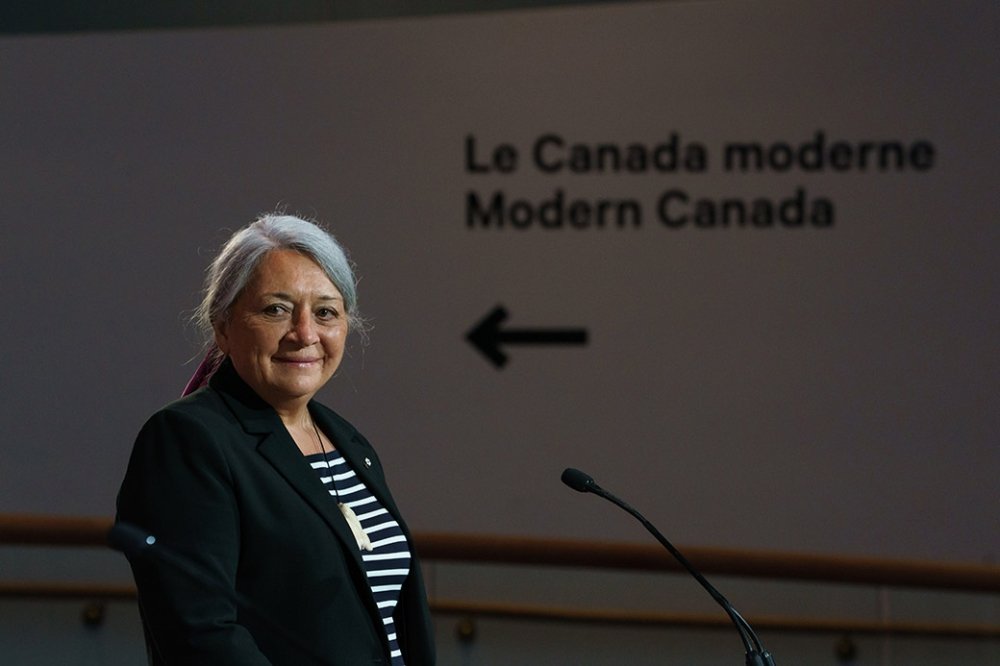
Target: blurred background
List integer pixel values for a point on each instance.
(775, 222)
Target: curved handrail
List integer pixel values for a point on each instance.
(20, 529)
(719, 621)
(746, 563)
(38, 530)
(97, 593)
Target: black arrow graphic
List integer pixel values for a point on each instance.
(487, 337)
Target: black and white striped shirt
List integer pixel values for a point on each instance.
(388, 563)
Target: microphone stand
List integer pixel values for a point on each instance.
(756, 655)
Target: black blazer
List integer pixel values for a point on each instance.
(217, 478)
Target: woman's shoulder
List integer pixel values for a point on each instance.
(202, 410)
(342, 431)
(330, 419)
(321, 410)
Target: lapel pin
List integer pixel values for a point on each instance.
(368, 462)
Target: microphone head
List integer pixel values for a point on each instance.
(578, 480)
(129, 539)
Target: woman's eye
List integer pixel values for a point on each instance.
(327, 313)
(274, 310)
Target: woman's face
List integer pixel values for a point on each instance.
(286, 331)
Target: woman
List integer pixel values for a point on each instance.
(264, 495)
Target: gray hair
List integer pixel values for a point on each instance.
(236, 262)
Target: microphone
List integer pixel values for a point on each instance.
(577, 480)
(128, 539)
(137, 544)
(756, 655)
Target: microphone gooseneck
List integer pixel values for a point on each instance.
(756, 655)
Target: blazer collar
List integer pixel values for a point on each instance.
(357, 452)
(254, 414)
(258, 417)
(275, 445)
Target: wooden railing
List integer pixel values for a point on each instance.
(33, 530)
(744, 563)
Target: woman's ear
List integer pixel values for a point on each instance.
(221, 339)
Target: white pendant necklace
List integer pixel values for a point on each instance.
(364, 543)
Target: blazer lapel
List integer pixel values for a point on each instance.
(279, 450)
(276, 446)
(359, 456)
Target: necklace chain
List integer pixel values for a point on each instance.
(322, 450)
(364, 543)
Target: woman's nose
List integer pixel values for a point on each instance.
(304, 329)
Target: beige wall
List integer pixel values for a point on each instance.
(818, 389)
